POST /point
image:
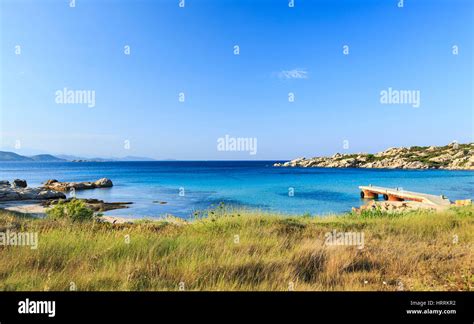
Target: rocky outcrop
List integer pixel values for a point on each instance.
(54, 184)
(93, 204)
(450, 157)
(52, 189)
(17, 192)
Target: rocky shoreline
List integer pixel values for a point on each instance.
(51, 189)
(19, 190)
(18, 197)
(450, 157)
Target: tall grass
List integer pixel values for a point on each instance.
(244, 250)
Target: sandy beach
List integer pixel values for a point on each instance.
(35, 209)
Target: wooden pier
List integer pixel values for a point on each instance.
(398, 194)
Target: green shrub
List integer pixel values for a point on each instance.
(75, 210)
(370, 158)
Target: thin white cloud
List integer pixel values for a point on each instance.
(293, 74)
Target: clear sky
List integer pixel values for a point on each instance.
(191, 50)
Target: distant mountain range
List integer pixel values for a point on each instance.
(14, 157)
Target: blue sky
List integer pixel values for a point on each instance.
(191, 50)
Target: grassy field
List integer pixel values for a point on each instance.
(244, 250)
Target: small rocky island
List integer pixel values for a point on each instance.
(450, 157)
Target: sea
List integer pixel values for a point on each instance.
(184, 188)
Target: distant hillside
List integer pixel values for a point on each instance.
(450, 157)
(46, 158)
(13, 157)
(10, 156)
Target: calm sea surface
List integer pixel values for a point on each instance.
(238, 183)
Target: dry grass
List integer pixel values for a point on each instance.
(414, 251)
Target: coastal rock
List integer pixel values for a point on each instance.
(50, 194)
(103, 183)
(7, 194)
(454, 156)
(11, 194)
(68, 186)
(441, 158)
(415, 165)
(19, 183)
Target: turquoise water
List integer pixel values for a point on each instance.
(238, 183)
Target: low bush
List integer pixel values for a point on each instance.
(75, 210)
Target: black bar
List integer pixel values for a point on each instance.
(261, 306)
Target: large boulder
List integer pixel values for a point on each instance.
(103, 183)
(19, 183)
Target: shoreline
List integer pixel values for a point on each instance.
(37, 209)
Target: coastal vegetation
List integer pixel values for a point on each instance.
(74, 210)
(238, 249)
